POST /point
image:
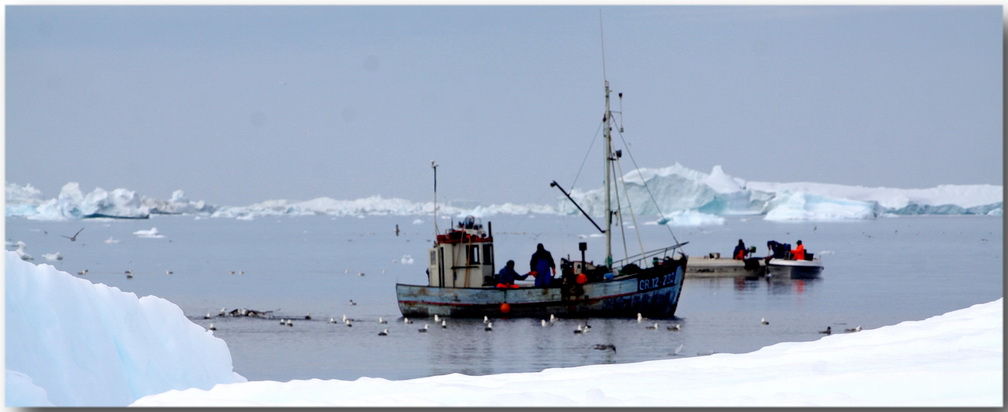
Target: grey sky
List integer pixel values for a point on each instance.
(236, 105)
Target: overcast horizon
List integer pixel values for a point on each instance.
(241, 104)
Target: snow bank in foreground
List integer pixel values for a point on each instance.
(950, 360)
(71, 342)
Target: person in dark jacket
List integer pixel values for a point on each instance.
(543, 266)
(508, 276)
(740, 251)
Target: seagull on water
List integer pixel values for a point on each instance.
(828, 330)
(382, 321)
(74, 237)
(608, 346)
(489, 327)
(444, 325)
(857, 329)
(675, 328)
(212, 327)
(763, 321)
(654, 327)
(424, 329)
(384, 332)
(406, 321)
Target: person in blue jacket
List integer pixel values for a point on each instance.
(543, 266)
(508, 276)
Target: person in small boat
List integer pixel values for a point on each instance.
(543, 266)
(740, 251)
(799, 251)
(776, 249)
(507, 276)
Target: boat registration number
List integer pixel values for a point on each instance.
(656, 282)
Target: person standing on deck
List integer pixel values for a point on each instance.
(543, 266)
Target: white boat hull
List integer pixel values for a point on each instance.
(794, 269)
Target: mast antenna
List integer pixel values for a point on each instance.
(434, 165)
(602, 38)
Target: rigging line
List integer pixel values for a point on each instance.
(633, 216)
(619, 211)
(587, 153)
(646, 187)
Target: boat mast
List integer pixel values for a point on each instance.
(607, 134)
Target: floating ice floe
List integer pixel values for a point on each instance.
(151, 233)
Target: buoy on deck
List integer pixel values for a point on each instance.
(505, 307)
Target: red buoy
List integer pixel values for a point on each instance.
(581, 279)
(505, 307)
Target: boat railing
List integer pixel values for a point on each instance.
(641, 259)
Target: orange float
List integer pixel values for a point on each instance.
(505, 307)
(581, 279)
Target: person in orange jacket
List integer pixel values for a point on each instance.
(799, 251)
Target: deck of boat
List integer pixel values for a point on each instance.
(707, 267)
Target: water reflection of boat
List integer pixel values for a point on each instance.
(461, 283)
(794, 269)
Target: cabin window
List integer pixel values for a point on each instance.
(488, 255)
(433, 258)
(474, 254)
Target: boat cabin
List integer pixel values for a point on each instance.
(462, 257)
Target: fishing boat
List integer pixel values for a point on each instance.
(810, 268)
(461, 277)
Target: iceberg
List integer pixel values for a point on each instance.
(71, 342)
(673, 194)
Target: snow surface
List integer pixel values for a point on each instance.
(685, 197)
(74, 343)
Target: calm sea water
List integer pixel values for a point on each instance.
(878, 273)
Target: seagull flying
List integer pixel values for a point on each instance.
(74, 237)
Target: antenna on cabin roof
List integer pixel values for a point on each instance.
(434, 166)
